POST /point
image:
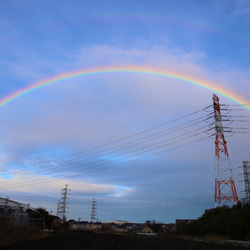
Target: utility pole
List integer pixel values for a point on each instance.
(62, 204)
(246, 170)
(93, 213)
(225, 190)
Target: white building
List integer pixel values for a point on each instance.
(7, 204)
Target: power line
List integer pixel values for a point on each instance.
(131, 150)
(143, 140)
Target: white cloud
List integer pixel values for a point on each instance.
(52, 187)
(95, 110)
(237, 10)
(241, 9)
(82, 109)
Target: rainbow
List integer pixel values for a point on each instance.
(212, 86)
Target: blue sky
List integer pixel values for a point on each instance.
(138, 144)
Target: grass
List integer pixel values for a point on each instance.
(10, 234)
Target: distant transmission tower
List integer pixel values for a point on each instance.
(225, 190)
(93, 213)
(246, 169)
(58, 209)
(62, 204)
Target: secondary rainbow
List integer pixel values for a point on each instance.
(214, 87)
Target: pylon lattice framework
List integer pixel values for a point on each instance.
(225, 190)
(246, 169)
(62, 204)
(93, 212)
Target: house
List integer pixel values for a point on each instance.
(85, 226)
(56, 223)
(95, 226)
(79, 225)
(142, 228)
(126, 227)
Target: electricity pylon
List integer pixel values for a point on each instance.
(246, 169)
(93, 213)
(62, 204)
(225, 190)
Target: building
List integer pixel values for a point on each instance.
(85, 226)
(7, 204)
(14, 212)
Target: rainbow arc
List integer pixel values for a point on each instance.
(136, 69)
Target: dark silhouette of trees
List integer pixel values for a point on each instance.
(43, 214)
(232, 222)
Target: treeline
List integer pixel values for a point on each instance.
(233, 222)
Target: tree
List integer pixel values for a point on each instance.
(41, 213)
(232, 222)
